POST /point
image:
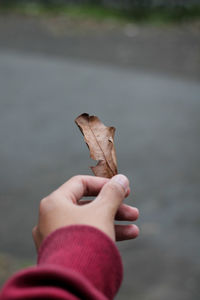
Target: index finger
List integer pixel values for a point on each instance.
(82, 185)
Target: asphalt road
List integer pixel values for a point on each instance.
(173, 50)
(157, 141)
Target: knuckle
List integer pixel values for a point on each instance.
(54, 196)
(116, 188)
(76, 178)
(43, 204)
(50, 202)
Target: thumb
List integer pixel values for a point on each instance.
(113, 193)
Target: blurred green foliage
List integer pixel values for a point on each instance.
(138, 13)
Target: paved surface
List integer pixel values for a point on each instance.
(168, 49)
(157, 141)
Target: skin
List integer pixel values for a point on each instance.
(64, 207)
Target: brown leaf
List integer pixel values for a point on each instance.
(100, 141)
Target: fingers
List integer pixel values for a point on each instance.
(127, 213)
(126, 232)
(122, 215)
(83, 185)
(113, 193)
(79, 186)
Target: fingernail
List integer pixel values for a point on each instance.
(122, 180)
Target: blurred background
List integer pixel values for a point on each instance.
(136, 65)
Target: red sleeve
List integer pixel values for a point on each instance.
(74, 262)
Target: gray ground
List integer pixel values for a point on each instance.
(142, 80)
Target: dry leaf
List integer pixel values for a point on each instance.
(100, 141)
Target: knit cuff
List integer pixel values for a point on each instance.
(88, 251)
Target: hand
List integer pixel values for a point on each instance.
(63, 208)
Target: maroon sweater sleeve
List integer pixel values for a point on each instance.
(74, 262)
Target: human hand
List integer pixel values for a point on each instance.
(63, 208)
